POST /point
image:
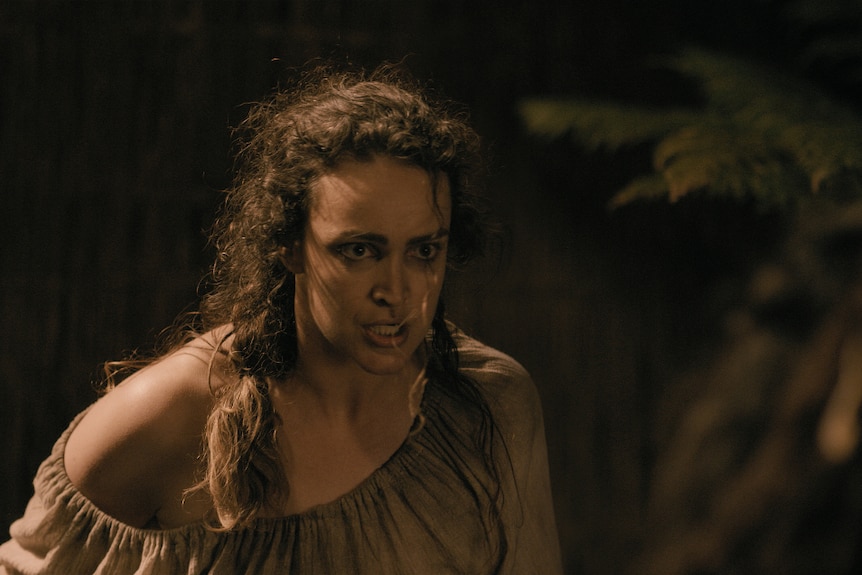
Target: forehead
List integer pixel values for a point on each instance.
(382, 195)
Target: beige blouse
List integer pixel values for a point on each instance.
(426, 511)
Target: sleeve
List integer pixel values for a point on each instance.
(60, 531)
(534, 541)
(63, 532)
(39, 536)
(527, 506)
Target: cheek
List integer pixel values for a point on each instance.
(327, 286)
(435, 275)
(434, 281)
(336, 293)
(429, 284)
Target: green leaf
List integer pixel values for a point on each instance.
(598, 124)
(760, 135)
(642, 188)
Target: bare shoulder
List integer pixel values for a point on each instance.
(137, 446)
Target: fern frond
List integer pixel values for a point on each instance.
(598, 125)
(788, 116)
(760, 134)
(642, 188)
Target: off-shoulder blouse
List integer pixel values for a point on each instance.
(430, 509)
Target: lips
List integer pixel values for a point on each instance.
(386, 335)
(384, 330)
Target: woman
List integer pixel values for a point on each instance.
(324, 418)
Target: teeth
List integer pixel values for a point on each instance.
(385, 330)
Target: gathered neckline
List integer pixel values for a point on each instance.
(388, 473)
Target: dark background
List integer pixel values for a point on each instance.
(114, 144)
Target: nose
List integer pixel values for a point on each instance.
(391, 286)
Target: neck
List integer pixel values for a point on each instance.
(341, 391)
(337, 386)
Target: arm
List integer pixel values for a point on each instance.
(528, 511)
(528, 508)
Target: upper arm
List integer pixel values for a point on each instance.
(528, 509)
(531, 517)
(529, 512)
(133, 448)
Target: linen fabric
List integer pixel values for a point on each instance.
(430, 509)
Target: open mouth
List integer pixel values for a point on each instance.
(385, 330)
(387, 335)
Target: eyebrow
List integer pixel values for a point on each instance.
(355, 235)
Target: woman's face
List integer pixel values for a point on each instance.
(370, 268)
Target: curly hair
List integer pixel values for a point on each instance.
(285, 145)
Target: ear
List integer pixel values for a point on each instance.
(291, 257)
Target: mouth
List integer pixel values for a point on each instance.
(386, 335)
(385, 330)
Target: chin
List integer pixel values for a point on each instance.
(384, 367)
(390, 363)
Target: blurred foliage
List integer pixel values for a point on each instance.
(829, 33)
(757, 134)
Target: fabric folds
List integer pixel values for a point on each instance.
(425, 511)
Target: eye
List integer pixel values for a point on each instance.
(357, 251)
(427, 252)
